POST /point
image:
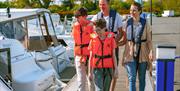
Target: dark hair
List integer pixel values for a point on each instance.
(108, 1)
(80, 12)
(100, 23)
(138, 6)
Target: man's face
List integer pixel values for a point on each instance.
(103, 5)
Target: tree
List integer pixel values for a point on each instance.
(32, 3)
(22, 4)
(44, 3)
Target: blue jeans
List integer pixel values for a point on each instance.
(132, 70)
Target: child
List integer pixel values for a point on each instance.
(102, 60)
(81, 31)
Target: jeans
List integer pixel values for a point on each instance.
(102, 78)
(81, 74)
(132, 69)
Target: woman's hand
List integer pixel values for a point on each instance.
(151, 57)
(131, 51)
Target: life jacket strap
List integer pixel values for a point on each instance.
(101, 57)
(82, 45)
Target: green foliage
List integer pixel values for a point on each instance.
(121, 7)
(172, 5)
(30, 4)
(156, 7)
(90, 6)
(69, 6)
(93, 12)
(159, 5)
(4, 4)
(54, 8)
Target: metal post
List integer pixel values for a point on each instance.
(165, 55)
(151, 12)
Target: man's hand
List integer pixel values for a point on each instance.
(121, 37)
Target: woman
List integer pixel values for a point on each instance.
(138, 49)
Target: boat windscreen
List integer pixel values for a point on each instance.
(5, 68)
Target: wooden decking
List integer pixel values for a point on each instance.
(121, 85)
(122, 82)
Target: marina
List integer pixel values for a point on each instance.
(35, 57)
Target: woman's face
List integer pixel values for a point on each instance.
(134, 11)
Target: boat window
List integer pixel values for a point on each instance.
(14, 30)
(6, 29)
(58, 25)
(5, 64)
(45, 32)
(20, 31)
(51, 29)
(34, 27)
(36, 40)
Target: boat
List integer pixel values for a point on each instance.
(63, 33)
(33, 30)
(4, 86)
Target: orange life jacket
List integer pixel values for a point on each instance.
(102, 51)
(81, 36)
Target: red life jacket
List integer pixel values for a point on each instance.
(81, 36)
(102, 51)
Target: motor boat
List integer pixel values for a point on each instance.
(33, 28)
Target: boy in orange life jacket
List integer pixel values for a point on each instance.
(102, 60)
(81, 33)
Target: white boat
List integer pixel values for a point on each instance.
(34, 29)
(22, 71)
(63, 33)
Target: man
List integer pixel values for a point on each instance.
(113, 20)
(114, 24)
(81, 33)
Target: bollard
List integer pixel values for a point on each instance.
(165, 55)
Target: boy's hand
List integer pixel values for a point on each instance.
(116, 73)
(90, 76)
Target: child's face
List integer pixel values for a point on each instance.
(100, 31)
(81, 18)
